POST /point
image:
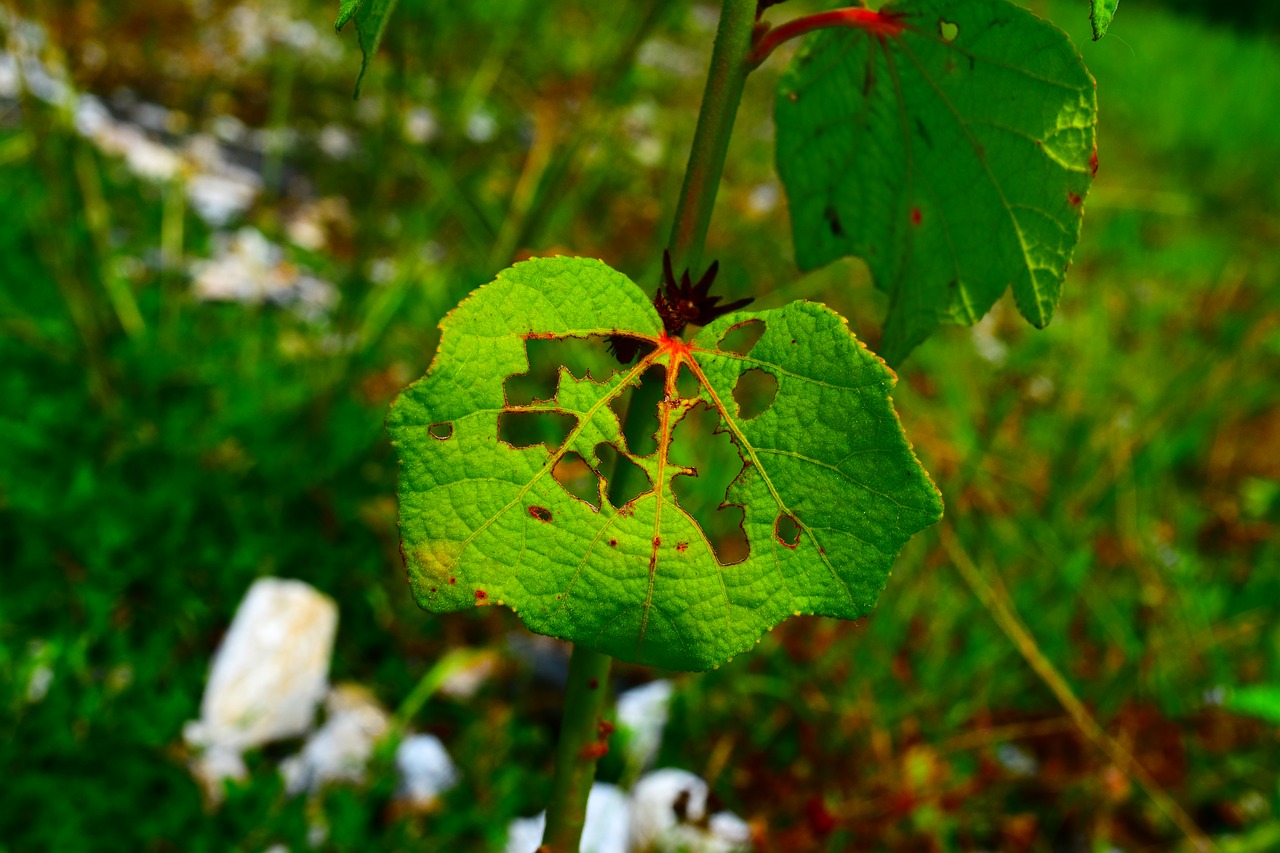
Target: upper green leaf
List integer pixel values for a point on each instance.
(371, 18)
(830, 487)
(1100, 14)
(950, 147)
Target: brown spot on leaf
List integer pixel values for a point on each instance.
(481, 597)
(613, 543)
(1093, 162)
(1074, 199)
(682, 547)
(916, 217)
(541, 513)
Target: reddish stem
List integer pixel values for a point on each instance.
(879, 24)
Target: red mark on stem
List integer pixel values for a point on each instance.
(594, 751)
(541, 513)
(882, 25)
(916, 217)
(605, 728)
(593, 683)
(1074, 199)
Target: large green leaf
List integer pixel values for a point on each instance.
(830, 486)
(950, 146)
(371, 18)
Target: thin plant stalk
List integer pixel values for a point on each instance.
(583, 731)
(583, 735)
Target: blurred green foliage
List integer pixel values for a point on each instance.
(1118, 472)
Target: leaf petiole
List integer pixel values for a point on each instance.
(879, 24)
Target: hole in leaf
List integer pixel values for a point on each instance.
(577, 478)
(687, 385)
(541, 513)
(696, 444)
(642, 433)
(948, 30)
(529, 429)
(755, 392)
(739, 339)
(626, 480)
(442, 431)
(787, 531)
(582, 356)
(627, 349)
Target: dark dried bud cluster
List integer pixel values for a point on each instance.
(679, 303)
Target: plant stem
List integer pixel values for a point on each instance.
(581, 736)
(720, 99)
(581, 733)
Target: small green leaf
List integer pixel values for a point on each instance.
(1100, 14)
(1259, 700)
(829, 485)
(371, 18)
(951, 148)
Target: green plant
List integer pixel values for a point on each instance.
(948, 145)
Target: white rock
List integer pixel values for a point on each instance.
(669, 813)
(250, 268)
(608, 821)
(642, 714)
(340, 749)
(605, 830)
(524, 834)
(426, 770)
(219, 198)
(267, 676)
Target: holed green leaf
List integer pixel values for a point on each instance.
(371, 18)
(950, 146)
(830, 487)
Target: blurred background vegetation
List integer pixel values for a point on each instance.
(216, 270)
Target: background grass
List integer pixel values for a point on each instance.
(1117, 474)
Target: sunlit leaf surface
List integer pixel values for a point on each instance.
(828, 483)
(950, 146)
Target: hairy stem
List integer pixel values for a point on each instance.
(582, 742)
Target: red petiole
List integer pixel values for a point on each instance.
(879, 24)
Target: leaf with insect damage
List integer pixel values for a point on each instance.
(950, 146)
(371, 18)
(828, 484)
